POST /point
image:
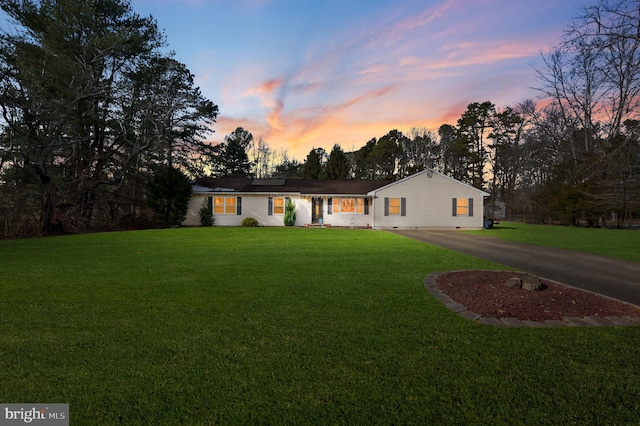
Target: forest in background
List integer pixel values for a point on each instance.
(100, 123)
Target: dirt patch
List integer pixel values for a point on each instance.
(485, 293)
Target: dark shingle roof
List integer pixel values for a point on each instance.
(301, 186)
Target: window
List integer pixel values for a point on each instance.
(462, 207)
(342, 205)
(348, 205)
(395, 206)
(225, 205)
(278, 205)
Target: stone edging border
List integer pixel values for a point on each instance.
(458, 308)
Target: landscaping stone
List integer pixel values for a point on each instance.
(593, 320)
(635, 320)
(556, 323)
(531, 282)
(576, 321)
(439, 294)
(490, 321)
(454, 306)
(514, 283)
(623, 321)
(513, 322)
(535, 324)
(469, 315)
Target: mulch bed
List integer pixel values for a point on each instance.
(485, 293)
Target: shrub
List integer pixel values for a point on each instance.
(168, 194)
(206, 215)
(249, 222)
(289, 213)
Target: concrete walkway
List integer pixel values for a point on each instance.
(599, 274)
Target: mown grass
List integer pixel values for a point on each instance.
(284, 326)
(619, 243)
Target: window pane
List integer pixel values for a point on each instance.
(231, 205)
(462, 206)
(394, 205)
(218, 205)
(278, 205)
(360, 205)
(335, 205)
(348, 205)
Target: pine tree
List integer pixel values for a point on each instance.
(168, 195)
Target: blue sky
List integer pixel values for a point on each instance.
(313, 73)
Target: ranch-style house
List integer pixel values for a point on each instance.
(427, 199)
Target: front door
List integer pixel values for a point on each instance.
(316, 210)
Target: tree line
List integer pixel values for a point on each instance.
(94, 108)
(100, 123)
(575, 155)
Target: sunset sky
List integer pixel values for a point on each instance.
(313, 73)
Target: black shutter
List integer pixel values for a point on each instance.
(403, 206)
(386, 206)
(470, 206)
(330, 206)
(366, 206)
(454, 206)
(239, 206)
(270, 212)
(210, 204)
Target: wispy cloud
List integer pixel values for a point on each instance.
(403, 29)
(401, 65)
(266, 86)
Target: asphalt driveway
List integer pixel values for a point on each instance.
(600, 274)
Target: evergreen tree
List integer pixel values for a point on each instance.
(386, 155)
(289, 213)
(288, 169)
(169, 191)
(364, 165)
(232, 159)
(92, 103)
(313, 167)
(473, 126)
(337, 166)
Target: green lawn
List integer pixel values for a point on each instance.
(285, 326)
(620, 243)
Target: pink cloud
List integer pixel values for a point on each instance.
(401, 30)
(270, 85)
(266, 87)
(274, 117)
(420, 71)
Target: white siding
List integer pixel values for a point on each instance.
(193, 217)
(428, 203)
(257, 207)
(253, 205)
(360, 220)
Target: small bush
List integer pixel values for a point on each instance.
(249, 222)
(290, 213)
(206, 215)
